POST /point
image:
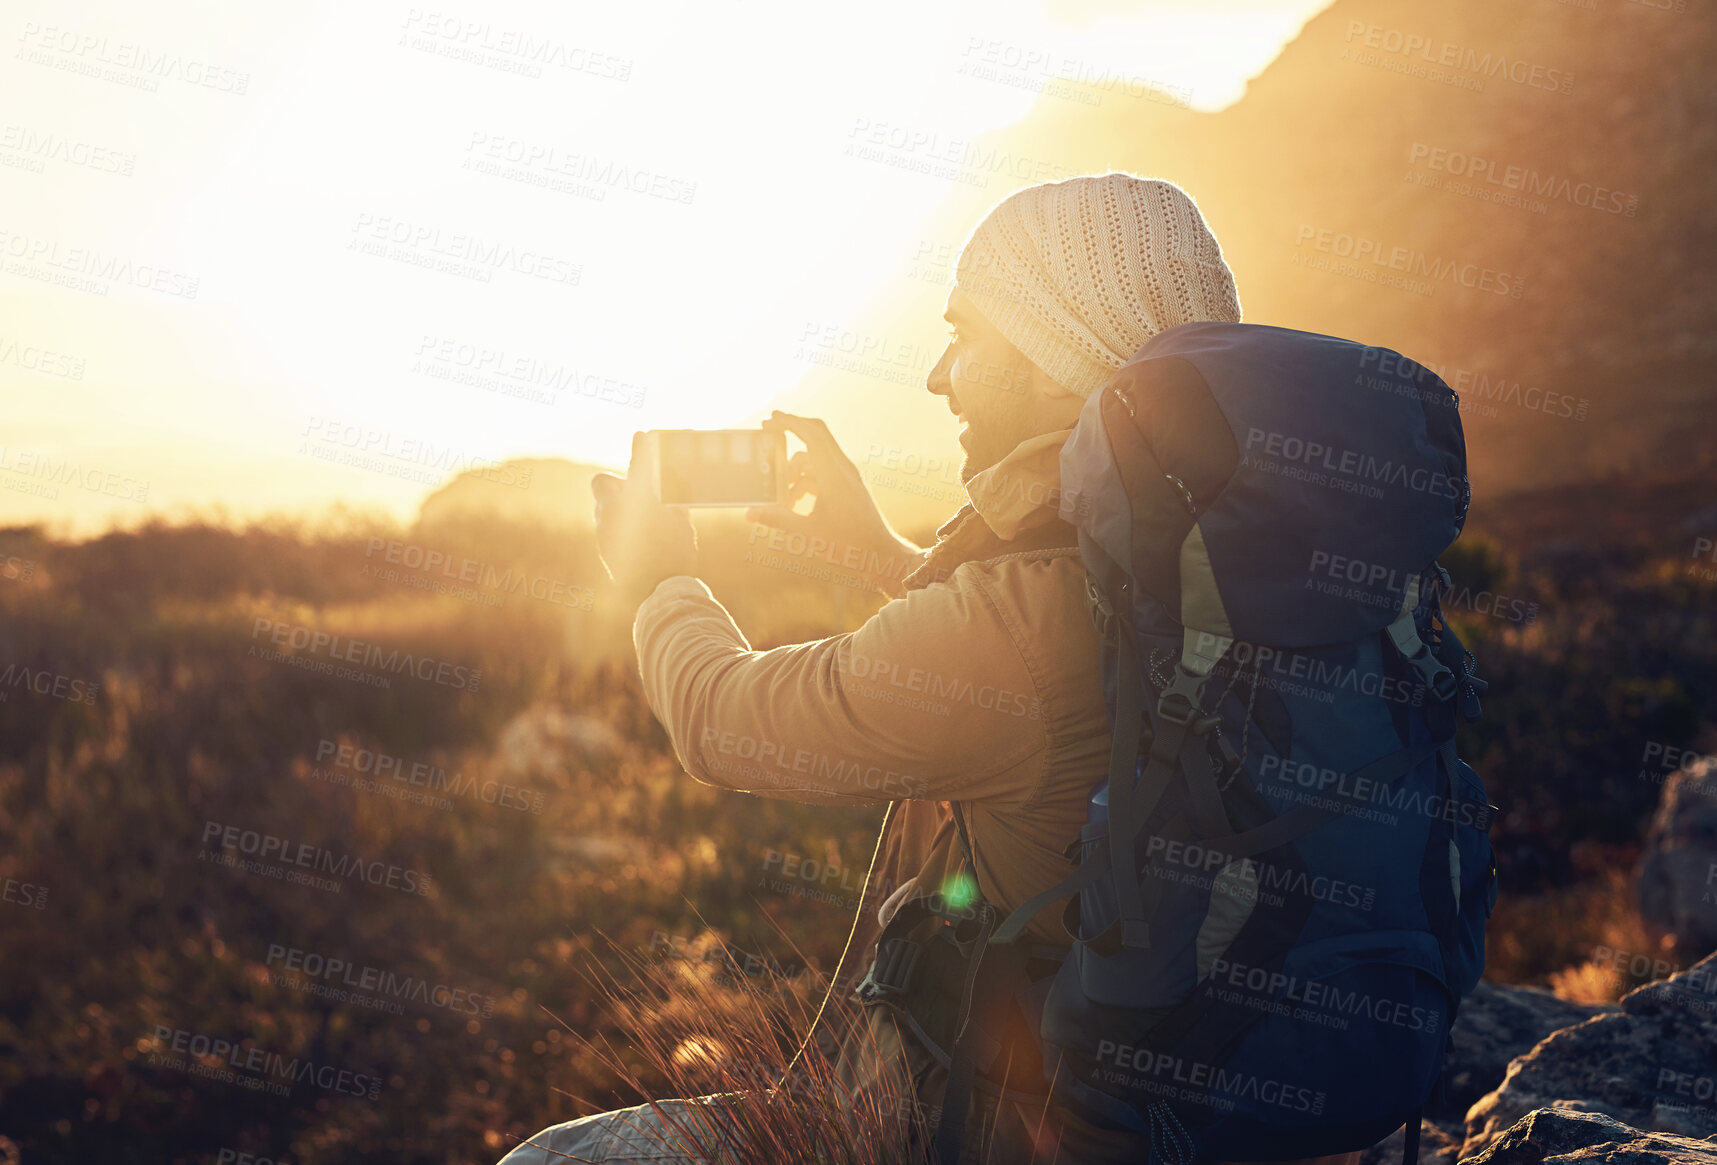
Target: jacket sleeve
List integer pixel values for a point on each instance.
(931, 699)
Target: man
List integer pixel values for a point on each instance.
(981, 683)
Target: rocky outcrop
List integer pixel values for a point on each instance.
(1554, 1135)
(1678, 872)
(1652, 1064)
(1494, 1025)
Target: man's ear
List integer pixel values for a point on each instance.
(1054, 389)
(1047, 385)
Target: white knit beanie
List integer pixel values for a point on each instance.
(1079, 274)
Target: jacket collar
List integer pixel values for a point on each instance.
(1013, 506)
(1023, 489)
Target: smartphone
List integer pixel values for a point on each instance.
(715, 467)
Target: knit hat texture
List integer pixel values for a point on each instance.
(1079, 274)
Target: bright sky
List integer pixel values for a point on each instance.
(232, 238)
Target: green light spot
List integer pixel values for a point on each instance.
(959, 890)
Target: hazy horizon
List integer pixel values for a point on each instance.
(218, 226)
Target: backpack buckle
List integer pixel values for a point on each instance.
(1176, 709)
(1178, 705)
(893, 971)
(1102, 611)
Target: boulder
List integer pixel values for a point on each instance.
(1493, 1026)
(1678, 871)
(1651, 1064)
(1554, 1135)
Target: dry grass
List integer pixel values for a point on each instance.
(697, 1025)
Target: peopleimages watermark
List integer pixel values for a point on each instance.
(338, 979)
(1408, 268)
(462, 577)
(235, 1157)
(399, 455)
(331, 647)
(743, 755)
(25, 148)
(89, 269)
(1400, 375)
(1056, 74)
(806, 877)
(42, 682)
(373, 766)
(878, 357)
(1194, 864)
(1704, 550)
(1660, 760)
(42, 474)
(929, 690)
(233, 840)
(512, 374)
(1310, 676)
(1686, 1084)
(1521, 181)
(822, 559)
(929, 152)
(1432, 58)
(123, 62)
(29, 895)
(428, 246)
(1632, 968)
(36, 358)
(1348, 470)
(1275, 992)
(252, 1067)
(1368, 798)
(507, 50)
(1376, 585)
(1180, 1078)
(801, 876)
(730, 962)
(565, 171)
(932, 261)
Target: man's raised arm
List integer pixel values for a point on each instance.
(930, 699)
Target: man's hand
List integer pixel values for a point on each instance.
(641, 541)
(844, 515)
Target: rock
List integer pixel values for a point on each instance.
(1651, 1064)
(1494, 1025)
(1550, 1135)
(543, 744)
(1678, 873)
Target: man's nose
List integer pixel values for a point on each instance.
(940, 381)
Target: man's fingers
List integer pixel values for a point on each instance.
(813, 431)
(801, 475)
(606, 485)
(780, 518)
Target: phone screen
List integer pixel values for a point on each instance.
(719, 467)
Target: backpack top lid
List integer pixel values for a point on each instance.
(1264, 484)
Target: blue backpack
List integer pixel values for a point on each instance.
(1283, 883)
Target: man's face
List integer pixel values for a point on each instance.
(1001, 397)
